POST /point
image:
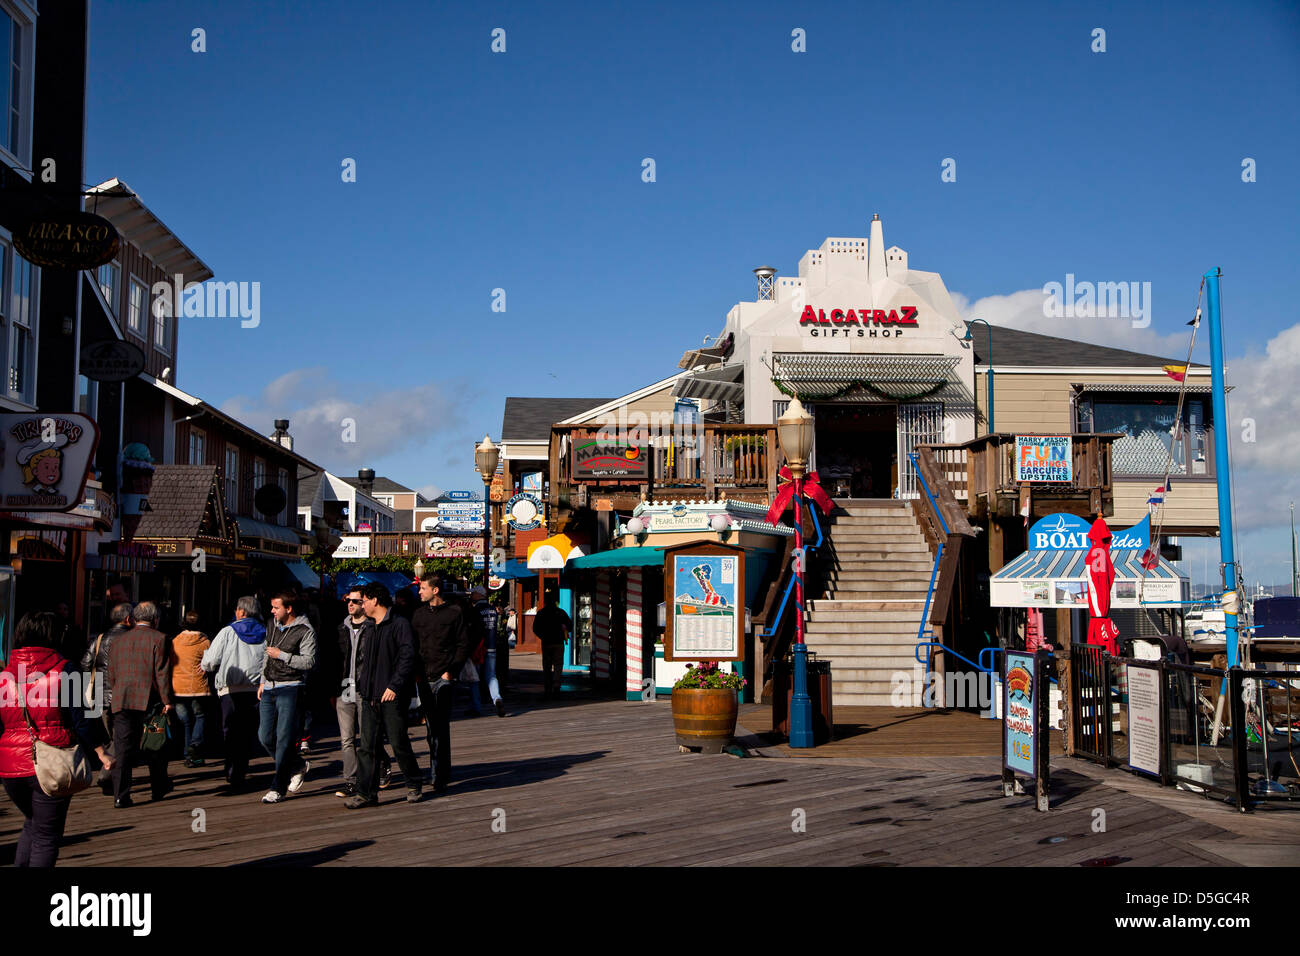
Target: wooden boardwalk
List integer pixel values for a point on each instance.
(598, 782)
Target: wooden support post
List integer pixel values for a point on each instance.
(997, 546)
(1067, 707)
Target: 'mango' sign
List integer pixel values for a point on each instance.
(596, 459)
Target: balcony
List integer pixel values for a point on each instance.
(700, 461)
(982, 475)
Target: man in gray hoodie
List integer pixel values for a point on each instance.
(290, 655)
(236, 656)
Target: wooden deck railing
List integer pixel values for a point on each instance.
(982, 472)
(695, 461)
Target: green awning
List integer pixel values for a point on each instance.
(619, 558)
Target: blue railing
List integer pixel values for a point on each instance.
(986, 669)
(922, 631)
(789, 585)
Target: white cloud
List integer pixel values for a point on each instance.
(344, 423)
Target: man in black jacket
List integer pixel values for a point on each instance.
(443, 642)
(385, 663)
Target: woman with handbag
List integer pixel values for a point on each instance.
(44, 733)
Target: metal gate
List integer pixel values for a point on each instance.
(919, 423)
(1091, 701)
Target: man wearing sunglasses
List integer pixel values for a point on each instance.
(345, 704)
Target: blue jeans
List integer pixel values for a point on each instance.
(278, 733)
(490, 675)
(192, 712)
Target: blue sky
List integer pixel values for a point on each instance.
(522, 171)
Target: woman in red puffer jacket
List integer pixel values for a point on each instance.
(33, 677)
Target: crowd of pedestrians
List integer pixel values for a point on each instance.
(269, 677)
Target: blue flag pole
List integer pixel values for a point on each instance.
(1223, 476)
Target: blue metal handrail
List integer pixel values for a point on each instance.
(789, 585)
(921, 630)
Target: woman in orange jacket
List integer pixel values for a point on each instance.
(190, 685)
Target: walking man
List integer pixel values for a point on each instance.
(346, 705)
(442, 640)
(290, 655)
(490, 619)
(236, 657)
(138, 674)
(552, 626)
(385, 663)
(95, 663)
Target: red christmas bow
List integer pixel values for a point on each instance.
(812, 488)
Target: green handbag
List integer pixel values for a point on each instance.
(154, 736)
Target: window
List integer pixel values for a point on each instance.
(16, 40)
(259, 477)
(1146, 425)
(135, 311)
(87, 396)
(110, 280)
(162, 326)
(198, 441)
(18, 278)
(232, 480)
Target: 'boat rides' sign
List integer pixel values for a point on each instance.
(1044, 458)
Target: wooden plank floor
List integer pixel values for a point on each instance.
(589, 781)
(887, 732)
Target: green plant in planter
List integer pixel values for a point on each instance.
(744, 443)
(708, 676)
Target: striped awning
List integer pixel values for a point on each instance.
(813, 375)
(1059, 579)
(722, 384)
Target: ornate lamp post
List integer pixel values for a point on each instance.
(794, 430)
(969, 338)
(486, 456)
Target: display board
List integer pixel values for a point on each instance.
(1144, 712)
(1025, 724)
(704, 591)
(1044, 458)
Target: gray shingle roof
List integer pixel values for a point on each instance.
(530, 419)
(383, 486)
(307, 489)
(1018, 347)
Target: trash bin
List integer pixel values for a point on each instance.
(819, 689)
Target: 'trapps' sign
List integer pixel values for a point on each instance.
(1062, 532)
(1043, 458)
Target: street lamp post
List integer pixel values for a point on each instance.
(794, 430)
(989, 341)
(486, 456)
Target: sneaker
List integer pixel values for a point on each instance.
(386, 777)
(197, 762)
(501, 707)
(349, 789)
(304, 748)
(272, 796)
(414, 795)
(295, 782)
(357, 801)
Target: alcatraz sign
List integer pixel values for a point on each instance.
(862, 321)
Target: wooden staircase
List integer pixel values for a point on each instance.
(877, 565)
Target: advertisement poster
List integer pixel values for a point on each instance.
(1018, 706)
(1043, 458)
(705, 604)
(46, 458)
(594, 458)
(351, 547)
(1144, 719)
(530, 481)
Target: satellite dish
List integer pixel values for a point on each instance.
(270, 499)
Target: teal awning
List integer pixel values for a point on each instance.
(619, 558)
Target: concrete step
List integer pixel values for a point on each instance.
(894, 623)
(866, 609)
(919, 564)
(850, 617)
(851, 555)
(885, 656)
(881, 534)
(874, 521)
(903, 590)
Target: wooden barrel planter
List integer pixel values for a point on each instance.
(705, 718)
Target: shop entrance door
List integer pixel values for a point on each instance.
(919, 423)
(856, 449)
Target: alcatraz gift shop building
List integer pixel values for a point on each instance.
(929, 502)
